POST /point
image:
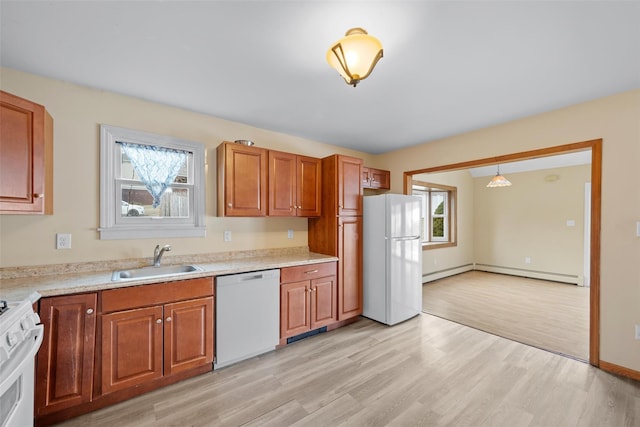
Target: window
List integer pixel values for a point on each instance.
(150, 185)
(438, 216)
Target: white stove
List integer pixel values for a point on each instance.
(20, 338)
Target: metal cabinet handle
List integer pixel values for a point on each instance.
(310, 271)
(168, 319)
(229, 204)
(38, 195)
(89, 310)
(158, 321)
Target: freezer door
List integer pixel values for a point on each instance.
(404, 280)
(403, 213)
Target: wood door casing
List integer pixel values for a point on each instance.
(188, 334)
(65, 359)
(131, 347)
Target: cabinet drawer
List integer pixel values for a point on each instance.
(159, 293)
(307, 272)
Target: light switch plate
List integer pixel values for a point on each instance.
(638, 332)
(227, 236)
(290, 234)
(638, 229)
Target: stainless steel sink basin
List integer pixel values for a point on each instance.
(151, 272)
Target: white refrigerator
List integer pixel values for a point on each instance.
(392, 252)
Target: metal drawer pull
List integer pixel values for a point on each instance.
(311, 272)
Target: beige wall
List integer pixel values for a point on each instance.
(77, 113)
(529, 219)
(615, 119)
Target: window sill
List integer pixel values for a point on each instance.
(437, 245)
(138, 232)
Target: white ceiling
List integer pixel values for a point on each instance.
(449, 66)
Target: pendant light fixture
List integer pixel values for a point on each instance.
(355, 55)
(499, 181)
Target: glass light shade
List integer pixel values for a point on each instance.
(355, 55)
(499, 181)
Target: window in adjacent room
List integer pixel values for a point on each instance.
(438, 213)
(151, 185)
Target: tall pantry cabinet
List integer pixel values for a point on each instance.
(338, 231)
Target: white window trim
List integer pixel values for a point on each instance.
(444, 216)
(109, 206)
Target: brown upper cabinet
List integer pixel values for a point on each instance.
(26, 157)
(294, 185)
(377, 179)
(242, 180)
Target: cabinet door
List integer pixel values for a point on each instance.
(26, 156)
(309, 186)
(324, 300)
(188, 334)
(244, 174)
(282, 184)
(366, 177)
(65, 359)
(380, 179)
(349, 267)
(294, 308)
(349, 186)
(131, 348)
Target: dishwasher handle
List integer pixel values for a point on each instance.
(254, 277)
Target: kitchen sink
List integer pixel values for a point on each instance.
(151, 272)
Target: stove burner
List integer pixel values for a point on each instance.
(3, 306)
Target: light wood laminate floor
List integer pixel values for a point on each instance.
(549, 315)
(426, 371)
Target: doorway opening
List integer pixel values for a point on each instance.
(595, 146)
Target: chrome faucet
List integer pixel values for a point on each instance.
(157, 254)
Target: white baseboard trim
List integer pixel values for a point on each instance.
(533, 274)
(441, 274)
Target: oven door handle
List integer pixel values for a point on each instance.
(36, 332)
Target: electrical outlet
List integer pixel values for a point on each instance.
(63, 241)
(227, 236)
(638, 332)
(290, 234)
(527, 260)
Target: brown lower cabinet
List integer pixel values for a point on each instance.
(65, 359)
(105, 347)
(308, 298)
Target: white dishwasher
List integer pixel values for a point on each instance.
(247, 315)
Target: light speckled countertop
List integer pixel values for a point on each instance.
(53, 281)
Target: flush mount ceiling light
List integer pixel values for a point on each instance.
(498, 181)
(355, 55)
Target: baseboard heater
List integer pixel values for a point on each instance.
(532, 274)
(446, 272)
(306, 335)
